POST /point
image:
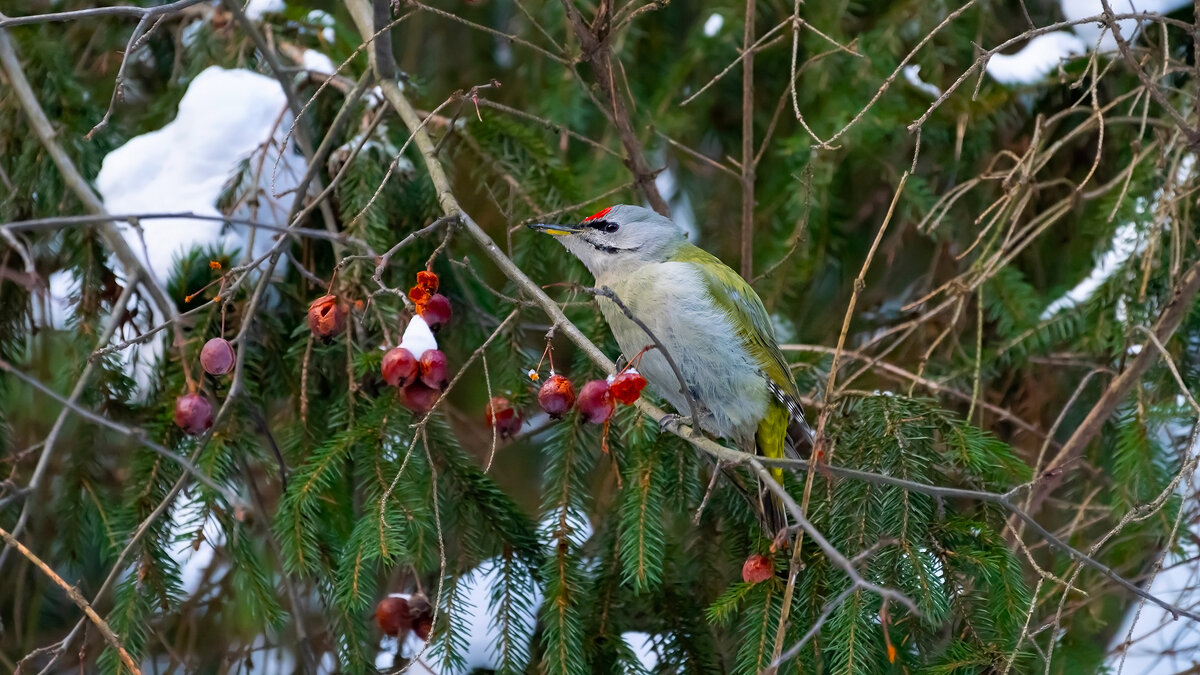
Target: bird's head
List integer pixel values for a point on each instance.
(618, 236)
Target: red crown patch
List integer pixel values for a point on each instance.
(597, 215)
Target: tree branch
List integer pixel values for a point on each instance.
(76, 598)
(120, 10)
(748, 158)
(594, 42)
(1183, 297)
(74, 180)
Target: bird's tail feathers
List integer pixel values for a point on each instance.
(772, 512)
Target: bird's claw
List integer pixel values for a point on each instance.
(673, 419)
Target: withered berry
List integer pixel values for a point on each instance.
(557, 396)
(627, 386)
(757, 568)
(326, 317)
(216, 357)
(193, 414)
(392, 615)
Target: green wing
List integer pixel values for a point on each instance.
(731, 292)
(782, 431)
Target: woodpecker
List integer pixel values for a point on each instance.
(711, 322)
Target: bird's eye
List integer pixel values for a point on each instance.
(611, 227)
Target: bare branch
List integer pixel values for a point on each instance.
(76, 598)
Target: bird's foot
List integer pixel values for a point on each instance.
(671, 419)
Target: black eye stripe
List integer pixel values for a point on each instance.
(605, 225)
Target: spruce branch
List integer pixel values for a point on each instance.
(1004, 500)
(48, 445)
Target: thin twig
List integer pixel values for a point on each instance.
(136, 434)
(76, 598)
(120, 10)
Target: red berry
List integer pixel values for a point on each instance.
(418, 398)
(757, 568)
(193, 414)
(436, 311)
(428, 281)
(627, 386)
(326, 317)
(501, 415)
(399, 367)
(596, 402)
(557, 396)
(216, 357)
(433, 369)
(393, 616)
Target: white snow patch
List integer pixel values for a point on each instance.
(417, 338)
(60, 286)
(482, 633)
(913, 75)
(1094, 32)
(255, 9)
(191, 32)
(224, 117)
(713, 24)
(1161, 644)
(1126, 242)
(323, 19)
(479, 620)
(1037, 59)
(678, 201)
(1043, 53)
(317, 62)
(194, 559)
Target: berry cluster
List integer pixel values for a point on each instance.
(193, 412)
(596, 400)
(417, 366)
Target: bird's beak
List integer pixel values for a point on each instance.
(558, 230)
